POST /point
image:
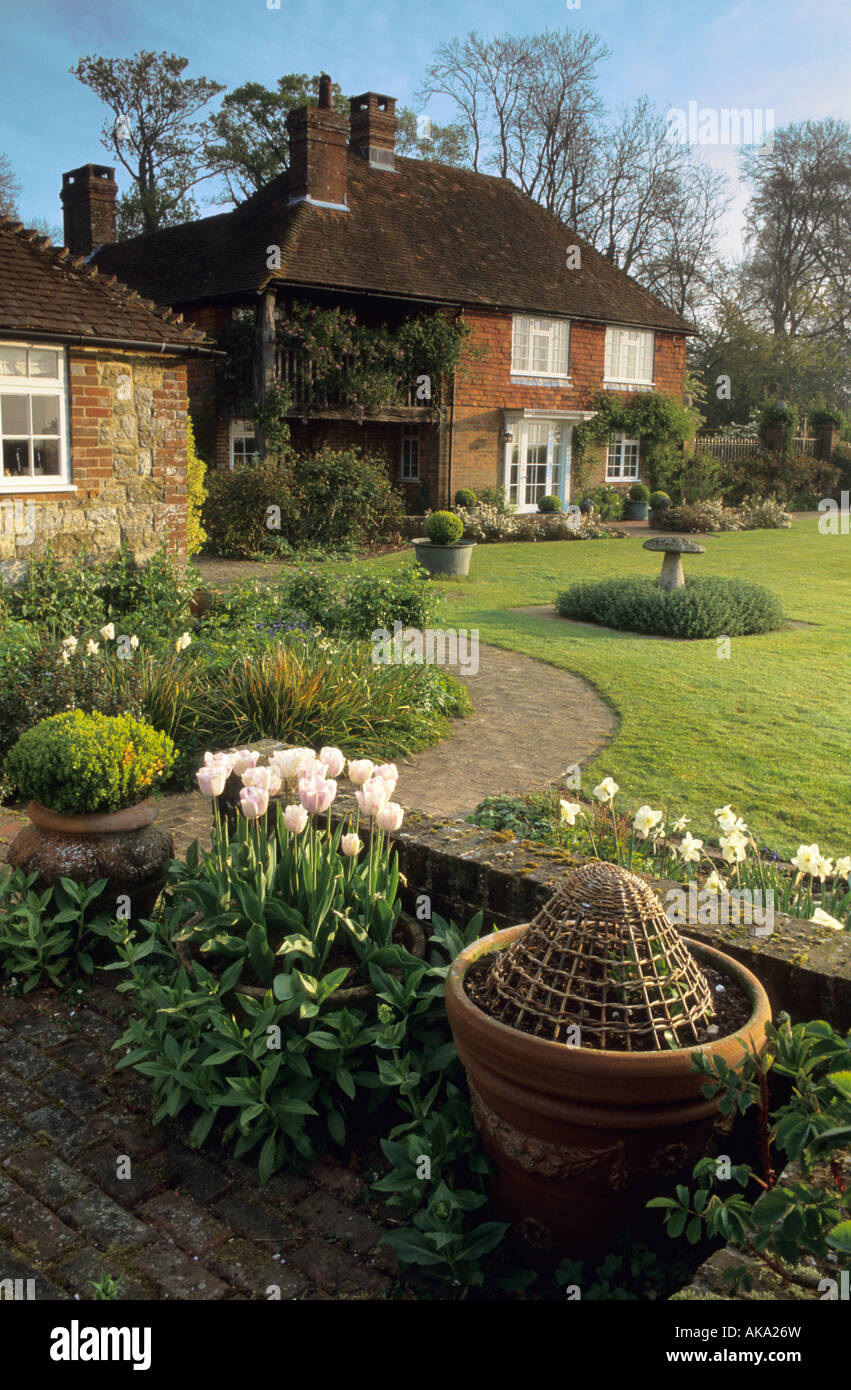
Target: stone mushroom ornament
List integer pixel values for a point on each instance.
(673, 548)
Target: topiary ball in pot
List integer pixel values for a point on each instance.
(635, 507)
(549, 504)
(444, 528)
(639, 492)
(89, 777)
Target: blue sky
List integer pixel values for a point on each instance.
(790, 56)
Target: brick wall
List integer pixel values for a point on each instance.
(484, 388)
(211, 426)
(127, 415)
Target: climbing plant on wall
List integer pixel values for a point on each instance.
(660, 423)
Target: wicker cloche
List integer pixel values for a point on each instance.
(603, 956)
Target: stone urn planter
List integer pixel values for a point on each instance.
(124, 847)
(582, 1136)
(635, 511)
(452, 560)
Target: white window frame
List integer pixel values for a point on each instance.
(617, 443)
(527, 433)
(557, 334)
(30, 386)
(410, 434)
(240, 429)
(621, 343)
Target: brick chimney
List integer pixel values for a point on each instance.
(88, 208)
(373, 129)
(318, 140)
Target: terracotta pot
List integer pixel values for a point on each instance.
(581, 1138)
(356, 995)
(124, 847)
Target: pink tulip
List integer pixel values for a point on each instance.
(373, 795)
(333, 759)
(389, 773)
(351, 845)
(360, 771)
(316, 794)
(212, 778)
(295, 819)
(224, 760)
(390, 817)
(290, 761)
(242, 759)
(253, 802)
(269, 778)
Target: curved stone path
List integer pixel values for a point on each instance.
(531, 722)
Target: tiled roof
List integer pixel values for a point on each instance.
(426, 231)
(44, 289)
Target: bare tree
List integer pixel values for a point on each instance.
(9, 189)
(797, 269)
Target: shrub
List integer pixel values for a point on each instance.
(77, 763)
(607, 502)
(465, 497)
(331, 498)
(496, 497)
(703, 607)
(196, 494)
(659, 501)
(549, 504)
(444, 528)
(639, 492)
(766, 514)
(796, 480)
(56, 596)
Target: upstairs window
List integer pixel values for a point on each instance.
(33, 431)
(622, 459)
(540, 347)
(629, 356)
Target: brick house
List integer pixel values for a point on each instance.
(93, 407)
(353, 225)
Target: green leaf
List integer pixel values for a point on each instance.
(839, 1237)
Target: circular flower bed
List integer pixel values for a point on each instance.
(702, 607)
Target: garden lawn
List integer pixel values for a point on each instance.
(768, 730)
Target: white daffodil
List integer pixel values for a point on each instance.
(734, 847)
(715, 883)
(568, 811)
(729, 821)
(825, 868)
(606, 790)
(134, 642)
(680, 825)
(182, 642)
(807, 860)
(65, 658)
(92, 647)
(690, 848)
(69, 644)
(843, 867)
(107, 632)
(645, 819)
(824, 919)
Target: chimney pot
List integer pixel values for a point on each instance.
(326, 98)
(88, 208)
(373, 128)
(318, 139)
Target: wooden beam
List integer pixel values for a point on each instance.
(264, 359)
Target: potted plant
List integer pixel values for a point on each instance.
(442, 550)
(636, 506)
(577, 1032)
(550, 503)
(89, 779)
(659, 503)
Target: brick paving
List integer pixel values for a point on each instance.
(88, 1186)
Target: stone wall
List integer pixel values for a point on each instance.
(127, 415)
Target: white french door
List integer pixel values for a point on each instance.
(537, 462)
